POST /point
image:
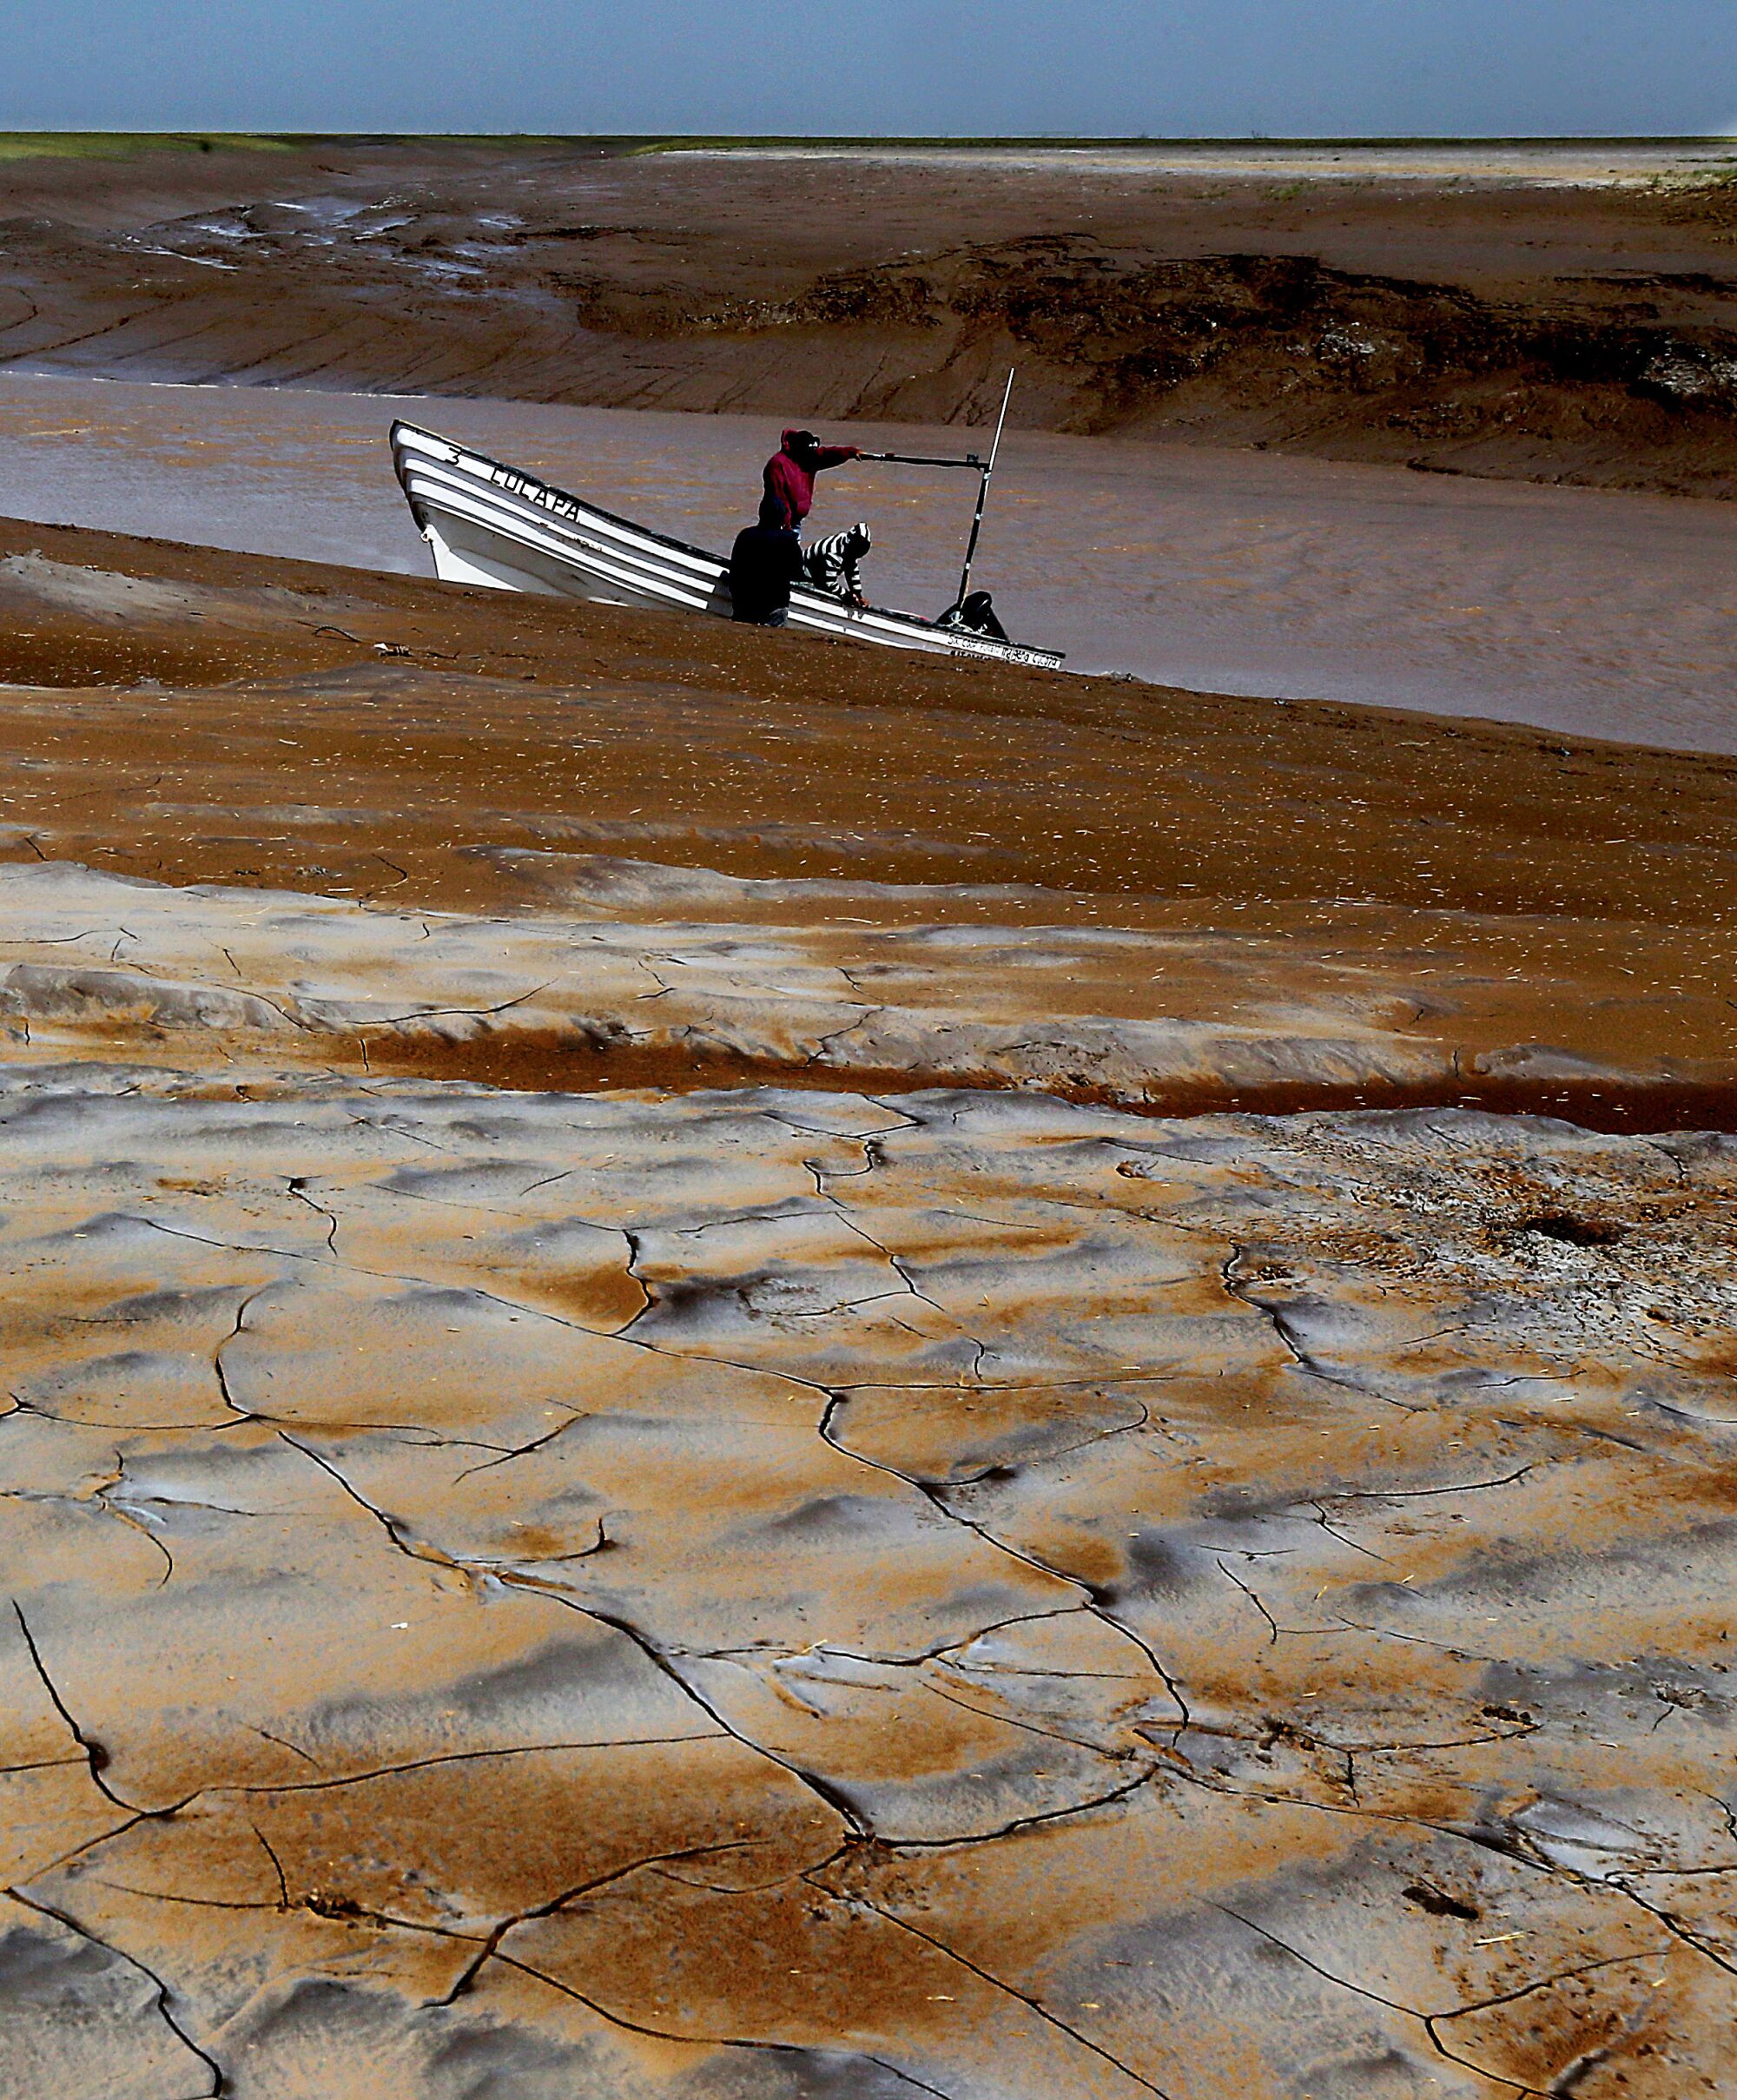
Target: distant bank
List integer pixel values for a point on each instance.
(1552, 310)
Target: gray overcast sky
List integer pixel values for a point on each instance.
(1167, 67)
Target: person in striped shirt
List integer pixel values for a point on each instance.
(835, 563)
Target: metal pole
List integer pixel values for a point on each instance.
(982, 495)
(922, 459)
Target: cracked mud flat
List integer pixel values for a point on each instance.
(539, 1563)
(775, 1593)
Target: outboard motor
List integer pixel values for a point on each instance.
(975, 613)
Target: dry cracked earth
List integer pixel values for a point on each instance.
(769, 1576)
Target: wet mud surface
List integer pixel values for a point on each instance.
(1153, 1019)
(1515, 313)
(179, 696)
(984, 1566)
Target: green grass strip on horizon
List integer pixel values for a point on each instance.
(120, 145)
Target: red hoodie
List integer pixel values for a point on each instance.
(790, 482)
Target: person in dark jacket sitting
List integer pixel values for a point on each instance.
(763, 564)
(789, 478)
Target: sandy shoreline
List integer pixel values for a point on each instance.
(1522, 163)
(199, 717)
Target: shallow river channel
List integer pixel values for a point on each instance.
(1234, 571)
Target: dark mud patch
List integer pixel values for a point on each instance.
(553, 1063)
(1572, 1231)
(1437, 1902)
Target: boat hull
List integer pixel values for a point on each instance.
(500, 529)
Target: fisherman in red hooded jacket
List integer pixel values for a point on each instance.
(767, 558)
(789, 478)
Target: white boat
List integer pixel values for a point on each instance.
(502, 528)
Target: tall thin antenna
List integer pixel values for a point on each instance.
(982, 494)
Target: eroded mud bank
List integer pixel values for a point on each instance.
(1520, 314)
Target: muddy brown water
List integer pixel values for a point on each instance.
(1592, 613)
